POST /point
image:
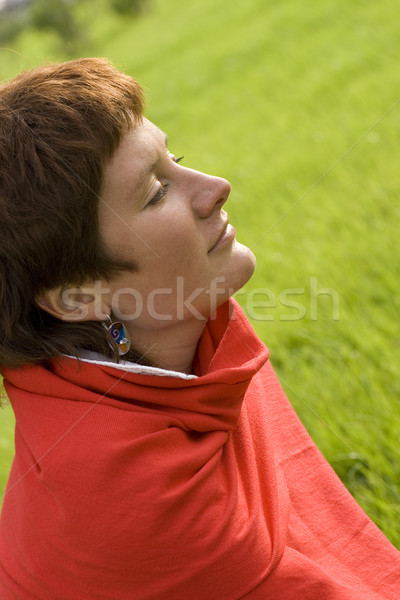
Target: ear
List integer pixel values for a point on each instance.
(73, 304)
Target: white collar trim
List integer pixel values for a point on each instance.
(130, 367)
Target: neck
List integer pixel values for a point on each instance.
(170, 347)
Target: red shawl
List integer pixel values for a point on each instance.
(130, 486)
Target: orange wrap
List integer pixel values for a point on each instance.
(130, 486)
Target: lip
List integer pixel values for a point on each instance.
(227, 235)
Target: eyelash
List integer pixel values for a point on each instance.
(163, 189)
(160, 195)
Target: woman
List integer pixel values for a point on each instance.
(174, 469)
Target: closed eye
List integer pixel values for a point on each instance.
(163, 189)
(159, 195)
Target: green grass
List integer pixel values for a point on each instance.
(6, 442)
(290, 102)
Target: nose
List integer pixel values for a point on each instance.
(210, 193)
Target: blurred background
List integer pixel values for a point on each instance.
(298, 105)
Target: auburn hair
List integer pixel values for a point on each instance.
(59, 125)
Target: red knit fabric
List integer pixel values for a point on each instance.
(137, 487)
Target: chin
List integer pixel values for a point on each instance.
(244, 266)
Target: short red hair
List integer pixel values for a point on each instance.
(59, 124)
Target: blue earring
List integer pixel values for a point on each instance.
(119, 334)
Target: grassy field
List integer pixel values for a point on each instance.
(298, 105)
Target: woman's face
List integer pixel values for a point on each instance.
(169, 221)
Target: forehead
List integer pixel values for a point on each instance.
(134, 158)
(138, 144)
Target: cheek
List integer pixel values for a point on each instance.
(174, 246)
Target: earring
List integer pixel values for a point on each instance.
(119, 335)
